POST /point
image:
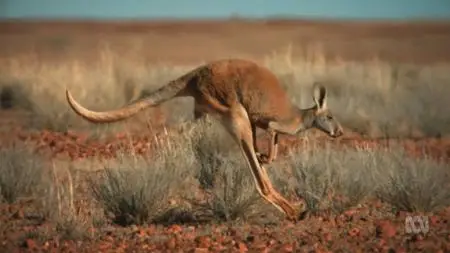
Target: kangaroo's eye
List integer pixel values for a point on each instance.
(329, 116)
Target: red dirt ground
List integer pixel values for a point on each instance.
(362, 229)
(357, 230)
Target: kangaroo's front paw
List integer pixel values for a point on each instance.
(262, 158)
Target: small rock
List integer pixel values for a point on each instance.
(417, 238)
(242, 247)
(109, 238)
(233, 232)
(400, 250)
(350, 212)
(141, 232)
(171, 243)
(260, 246)
(354, 232)
(434, 220)
(103, 246)
(287, 247)
(203, 241)
(218, 248)
(385, 229)
(175, 229)
(327, 237)
(200, 250)
(401, 214)
(250, 238)
(381, 243)
(18, 214)
(30, 244)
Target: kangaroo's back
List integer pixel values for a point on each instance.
(240, 81)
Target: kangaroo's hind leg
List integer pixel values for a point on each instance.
(237, 123)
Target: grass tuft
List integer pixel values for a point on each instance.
(21, 173)
(338, 179)
(223, 176)
(136, 190)
(414, 185)
(233, 195)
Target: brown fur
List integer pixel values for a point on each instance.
(244, 96)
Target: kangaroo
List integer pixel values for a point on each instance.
(242, 95)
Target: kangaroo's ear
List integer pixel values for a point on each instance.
(320, 96)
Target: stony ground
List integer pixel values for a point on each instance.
(370, 227)
(357, 230)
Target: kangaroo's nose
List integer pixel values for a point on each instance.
(338, 132)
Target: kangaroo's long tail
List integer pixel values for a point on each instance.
(167, 92)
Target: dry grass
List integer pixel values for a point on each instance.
(65, 206)
(40, 88)
(136, 190)
(208, 181)
(337, 179)
(232, 196)
(222, 174)
(191, 165)
(413, 185)
(21, 174)
(374, 98)
(219, 186)
(49, 193)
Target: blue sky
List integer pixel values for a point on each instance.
(143, 9)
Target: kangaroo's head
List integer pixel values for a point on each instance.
(319, 116)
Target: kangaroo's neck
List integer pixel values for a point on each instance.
(305, 116)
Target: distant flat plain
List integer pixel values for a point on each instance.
(181, 42)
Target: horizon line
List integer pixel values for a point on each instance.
(228, 18)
